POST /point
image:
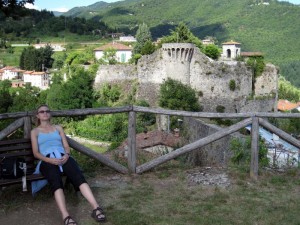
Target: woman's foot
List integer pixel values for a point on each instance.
(98, 215)
(69, 221)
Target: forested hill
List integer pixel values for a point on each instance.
(260, 25)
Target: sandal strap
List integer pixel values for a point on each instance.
(68, 222)
(99, 217)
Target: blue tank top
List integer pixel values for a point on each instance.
(51, 144)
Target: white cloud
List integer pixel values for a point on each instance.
(62, 9)
(30, 6)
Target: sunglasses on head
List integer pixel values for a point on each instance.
(44, 111)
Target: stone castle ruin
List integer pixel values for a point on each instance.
(228, 84)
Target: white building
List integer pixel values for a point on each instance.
(11, 73)
(57, 47)
(123, 52)
(231, 50)
(127, 39)
(37, 79)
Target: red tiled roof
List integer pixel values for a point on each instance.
(114, 45)
(154, 138)
(231, 43)
(285, 105)
(34, 72)
(247, 54)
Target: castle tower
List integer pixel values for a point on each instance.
(178, 56)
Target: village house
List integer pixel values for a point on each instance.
(57, 47)
(1, 73)
(11, 73)
(37, 79)
(287, 106)
(123, 52)
(20, 77)
(127, 39)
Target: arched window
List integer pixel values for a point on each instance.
(228, 53)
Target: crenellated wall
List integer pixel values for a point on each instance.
(217, 83)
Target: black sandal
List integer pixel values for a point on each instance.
(100, 217)
(68, 222)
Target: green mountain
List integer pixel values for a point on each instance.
(268, 26)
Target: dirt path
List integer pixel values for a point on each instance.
(42, 209)
(22, 208)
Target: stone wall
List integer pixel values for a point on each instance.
(216, 153)
(211, 79)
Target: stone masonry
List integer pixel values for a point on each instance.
(210, 79)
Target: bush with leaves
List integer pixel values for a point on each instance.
(241, 149)
(212, 51)
(176, 95)
(182, 34)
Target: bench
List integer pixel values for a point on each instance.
(19, 148)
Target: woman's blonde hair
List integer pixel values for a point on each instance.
(38, 121)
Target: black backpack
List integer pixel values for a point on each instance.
(11, 167)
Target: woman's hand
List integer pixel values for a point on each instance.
(65, 158)
(55, 161)
(60, 161)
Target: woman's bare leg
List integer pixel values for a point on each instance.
(61, 202)
(87, 193)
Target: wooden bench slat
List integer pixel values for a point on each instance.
(32, 177)
(24, 146)
(17, 154)
(19, 148)
(14, 141)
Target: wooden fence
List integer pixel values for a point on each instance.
(24, 119)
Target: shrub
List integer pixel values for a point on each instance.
(232, 85)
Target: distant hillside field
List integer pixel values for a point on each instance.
(268, 26)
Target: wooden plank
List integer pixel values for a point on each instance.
(101, 158)
(14, 141)
(254, 148)
(31, 177)
(213, 115)
(197, 144)
(17, 153)
(27, 127)
(285, 136)
(8, 148)
(132, 142)
(11, 128)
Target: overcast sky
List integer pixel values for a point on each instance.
(65, 5)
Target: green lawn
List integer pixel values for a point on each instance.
(165, 196)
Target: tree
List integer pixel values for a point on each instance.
(143, 35)
(109, 55)
(75, 93)
(6, 99)
(212, 51)
(178, 96)
(36, 59)
(24, 99)
(182, 34)
(9, 6)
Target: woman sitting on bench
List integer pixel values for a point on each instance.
(50, 146)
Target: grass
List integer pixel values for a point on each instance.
(164, 196)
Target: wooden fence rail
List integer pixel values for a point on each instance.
(24, 119)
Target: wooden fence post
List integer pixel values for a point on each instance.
(132, 142)
(254, 148)
(27, 126)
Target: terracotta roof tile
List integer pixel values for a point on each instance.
(285, 105)
(231, 43)
(251, 54)
(114, 45)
